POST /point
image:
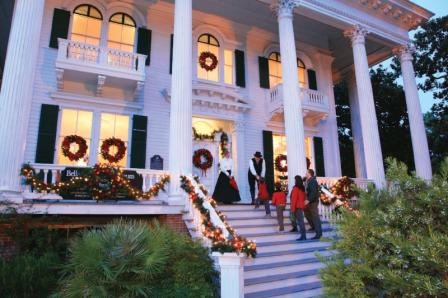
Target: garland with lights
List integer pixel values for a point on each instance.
(220, 244)
(343, 190)
(205, 63)
(203, 165)
(105, 150)
(74, 139)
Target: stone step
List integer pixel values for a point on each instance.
(255, 234)
(257, 229)
(262, 220)
(241, 207)
(277, 287)
(284, 248)
(272, 272)
(288, 256)
(296, 292)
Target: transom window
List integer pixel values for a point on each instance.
(121, 32)
(275, 70)
(86, 26)
(114, 125)
(208, 43)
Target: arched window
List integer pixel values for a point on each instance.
(275, 69)
(208, 43)
(86, 25)
(301, 73)
(121, 32)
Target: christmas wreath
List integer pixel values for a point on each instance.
(198, 157)
(74, 139)
(281, 164)
(105, 148)
(105, 181)
(205, 63)
(343, 190)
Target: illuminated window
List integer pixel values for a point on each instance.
(208, 43)
(301, 70)
(275, 69)
(86, 25)
(228, 67)
(114, 125)
(75, 122)
(121, 34)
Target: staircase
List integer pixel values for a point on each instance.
(283, 267)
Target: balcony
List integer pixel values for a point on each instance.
(314, 105)
(99, 67)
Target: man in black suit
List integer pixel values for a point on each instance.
(312, 191)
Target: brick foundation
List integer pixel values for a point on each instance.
(8, 247)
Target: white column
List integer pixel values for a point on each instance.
(180, 140)
(239, 158)
(232, 274)
(17, 89)
(292, 103)
(358, 146)
(371, 138)
(418, 133)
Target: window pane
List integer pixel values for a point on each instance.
(228, 57)
(114, 126)
(203, 38)
(79, 24)
(228, 74)
(82, 9)
(84, 125)
(117, 18)
(68, 122)
(95, 13)
(115, 32)
(107, 126)
(93, 27)
(92, 41)
(129, 21)
(122, 127)
(128, 35)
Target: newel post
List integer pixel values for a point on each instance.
(232, 274)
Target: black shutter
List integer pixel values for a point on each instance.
(240, 69)
(171, 54)
(312, 83)
(263, 68)
(46, 138)
(59, 26)
(144, 43)
(319, 156)
(138, 142)
(268, 153)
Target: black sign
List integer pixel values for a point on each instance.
(156, 163)
(80, 191)
(135, 180)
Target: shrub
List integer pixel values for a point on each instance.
(398, 245)
(129, 259)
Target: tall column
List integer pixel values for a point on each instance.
(292, 103)
(240, 158)
(180, 140)
(418, 133)
(369, 125)
(358, 146)
(17, 90)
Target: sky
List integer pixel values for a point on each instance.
(439, 8)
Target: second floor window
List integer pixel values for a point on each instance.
(86, 26)
(117, 126)
(275, 70)
(208, 43)
(121, 32)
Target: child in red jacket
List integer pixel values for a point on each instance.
(279, 201)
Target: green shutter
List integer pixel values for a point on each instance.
(240, 69)
(312, 83)
(268, 153)
(144, 43)
(263, 68)
(59, 26)
(319, 156)
(171, 54)
(46, 138)
(138, 142)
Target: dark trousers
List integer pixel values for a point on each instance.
(267, 206)
(301, 223)
(309, 217)
(252, 182)
(280, 210)
(315, 218)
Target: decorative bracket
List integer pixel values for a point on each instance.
(100, 85)
(60, 78)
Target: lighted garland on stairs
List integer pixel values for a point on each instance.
(343, 190)
(220, 244)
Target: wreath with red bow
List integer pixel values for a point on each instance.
(104, 181)
(74, 139)
(205, 63)
(198, 157)
(281, 164)
(105, 149)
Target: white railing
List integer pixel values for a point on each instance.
(310, 98)
(52, 173)
(86, 54)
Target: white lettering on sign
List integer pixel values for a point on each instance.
(72, 173)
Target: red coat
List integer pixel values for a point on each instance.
(298, 198)
(279, 198)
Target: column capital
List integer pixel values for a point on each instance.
(404, 52)
(284, 8)
(357, 34)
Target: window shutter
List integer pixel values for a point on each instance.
(144, 43)
(319, 156)
(240, 69)
(59, 26)
(138, 142)
(312, 83)
(268, 154)
(171, 54)
(46, 138)
(263, 67)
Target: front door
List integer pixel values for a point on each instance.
(211, 175)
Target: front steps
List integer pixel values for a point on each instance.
(283, 267)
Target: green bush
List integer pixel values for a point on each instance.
(398, 245)
(29, 275)
(129, 259)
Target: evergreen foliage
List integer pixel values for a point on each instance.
(397, 246)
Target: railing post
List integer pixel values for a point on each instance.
(103, 56)
(232, 274)
(62, 49)
(141, 63)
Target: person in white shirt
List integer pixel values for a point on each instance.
(226, 190)
(257, 171)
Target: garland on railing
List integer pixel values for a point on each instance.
(237, 243)
(343, 191)
(103, 181)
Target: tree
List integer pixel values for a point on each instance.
(436, 122)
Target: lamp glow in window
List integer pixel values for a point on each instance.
(301, 70)
(114, 125)
(228, 67)
(121, 34)
(208, 43)
(75, 122)
(275, 69)
(86, 26)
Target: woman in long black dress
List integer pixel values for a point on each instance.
(225, 192)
